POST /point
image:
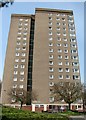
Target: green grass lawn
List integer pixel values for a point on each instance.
(15, 114)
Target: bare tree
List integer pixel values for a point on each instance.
(22, 96)
(84, 97)
(69, 92)
(6, 3)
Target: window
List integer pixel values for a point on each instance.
(57, 18)
(65, 39)
(20, 24)
(24, 43)
(13, 100)
(51, 99)
(25, 33)
(70, 16)
(15, 72)
(19, 33)
(50, 28)
(59, 50)
(50, 69)
(20, 19)
(14, 86)
(62, 14)
(59, 44)
(58, 33)
(60, 70)
(58, 28)
(50, 33)
(67, 69)
(14, 79)
(76, 70)
(64, 28)
(60, 76)
(17, 48)
(72, 40)
(73, 45)
(51, 91)
(15, 66)
(74, 57)
(51, 84)
(50, 44)
(58, 23)
(75, 64)
(51, 77)
(67, 77)
(23, 54)
(21, 86)
(26, 24)
(16, 60)
(57, 14)
(20, 28)
(13, 92)
(76, 77)
(26, 20)
(50, 62)
(65, 45)
(64, 24)
(22, 73)
(63, 19)
(59, 63)
(59, 57)
(64, 34)
(70, 20)
(73, 51)
(25, 28)
(18, 43)
(22, 66)
(24, 48)
(59, 39)
(20, 93)
(71, 35)
(72, 30)
(24, 38)
(66, 57)
(50, 56)
(65, 51)
(21, 79)
(19, 37)
(22, 60)
(50, 23)
(66, 63)
(50, 18)
(50, 38)
(17, 54)
(50, 50)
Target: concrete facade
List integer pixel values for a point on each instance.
(49, 47)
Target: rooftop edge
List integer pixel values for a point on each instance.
(53, 10)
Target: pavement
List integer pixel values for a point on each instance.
(77, 117)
